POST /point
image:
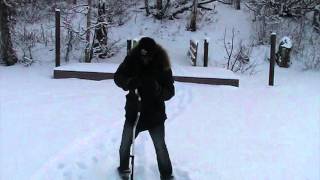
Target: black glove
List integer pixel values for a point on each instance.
(151, 86)
(133, 83)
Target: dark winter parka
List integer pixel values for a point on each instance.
(158, 72)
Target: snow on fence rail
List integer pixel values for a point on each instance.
(101, 71)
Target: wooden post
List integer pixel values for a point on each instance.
(206, 53)
(273, 40)
(57, 37)
(237, 4)
(146, 4)
(159, 4)
(129, 45)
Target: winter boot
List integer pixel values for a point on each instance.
(124, 173)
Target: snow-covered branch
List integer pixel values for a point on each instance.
(189, 5)
(84, 31)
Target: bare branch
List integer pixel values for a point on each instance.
(7, 4)
(205, 8)
(232, 43)
(206, 2)
(182, 9)
(189, 5)
(210, 1)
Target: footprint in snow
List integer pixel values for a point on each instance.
(94, 159)
(114, 140)
(80, 177)
(181, 175)
(67, 175)
(61, 166)
(101, 147)
(81, 165)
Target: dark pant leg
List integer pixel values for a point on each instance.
(126, 142)
(158, 137)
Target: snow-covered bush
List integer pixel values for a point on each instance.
(116, 11)
(241, 59)
(309, 56)
(31, 26)
(34, 26)
(238, 56)
(26, 40)
(275, 15)
(288, 18)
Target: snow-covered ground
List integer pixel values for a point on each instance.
(70, 129)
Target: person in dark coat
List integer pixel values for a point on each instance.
(147, 69)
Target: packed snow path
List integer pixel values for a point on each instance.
(70, 129)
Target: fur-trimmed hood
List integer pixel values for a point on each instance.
(160, 58)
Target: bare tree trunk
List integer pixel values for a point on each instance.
(159, 4)
(316, 18)
(146, 2)
(237, 4)
(72, 1)
(193, 22)
(88, 21)
(8, 54)
(87, 50)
